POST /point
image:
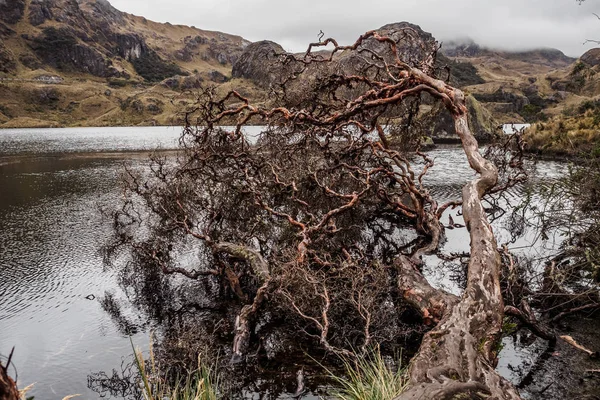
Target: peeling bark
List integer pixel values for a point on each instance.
(243, 325)
(458, 356)
(429, 302)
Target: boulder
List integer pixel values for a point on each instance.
(260, 62)
(191, 82)
(591, 57)
(412, 42)
(39, 12)
(217, 77)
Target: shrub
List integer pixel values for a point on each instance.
(532, 113)
(116, 83)
(577, 68)
(154, 69)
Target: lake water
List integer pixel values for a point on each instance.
(53, 182)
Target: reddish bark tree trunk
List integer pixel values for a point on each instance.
(457, 357)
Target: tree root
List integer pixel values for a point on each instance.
(572, 342)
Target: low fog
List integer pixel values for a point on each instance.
(507, 24)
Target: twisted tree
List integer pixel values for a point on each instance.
(324, 217)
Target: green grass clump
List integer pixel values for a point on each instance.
(200, 384)
(369, 378)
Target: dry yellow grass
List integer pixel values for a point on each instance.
(93, 102)
(566, 135)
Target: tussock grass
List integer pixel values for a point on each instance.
(369, 378)
(200, 384)
(566, 135)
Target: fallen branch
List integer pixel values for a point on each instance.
(572, 342)
(525, 315)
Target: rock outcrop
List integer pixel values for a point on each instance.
(591, 57)
(260, 62)
(11, 11)
(40, 11)
(414, 45)
(439, 124)
(61, 49)
(515, 101)
(129, 46)
(7, 59)
(102, 9)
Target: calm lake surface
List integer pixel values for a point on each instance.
(53, 182)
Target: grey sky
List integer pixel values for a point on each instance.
(510, 24)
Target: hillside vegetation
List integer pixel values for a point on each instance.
(574, 133)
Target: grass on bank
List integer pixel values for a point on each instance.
(366, 378)
(369, 378)
(573, 134)
(200, 384)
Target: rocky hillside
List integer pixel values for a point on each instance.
(517, 86)
(92, 37)
(558, 94)
(576, 129)
(64, 61)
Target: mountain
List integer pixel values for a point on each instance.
(83, 62)
(92, 37)
(559, 94)
(467, 48)
(575, 130)
(517, 86)
(69, 62)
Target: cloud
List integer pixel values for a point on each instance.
(507, 24)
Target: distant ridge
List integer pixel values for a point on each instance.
(470, 49)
